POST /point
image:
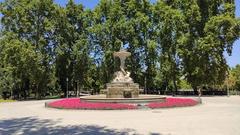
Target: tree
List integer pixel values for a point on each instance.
(235, 77)
(170, 27)
(31, 22)
(22, 64)
(212, 29)
(168, 40)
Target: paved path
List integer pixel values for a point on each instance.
(216, 116)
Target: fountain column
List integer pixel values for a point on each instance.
(122, 85)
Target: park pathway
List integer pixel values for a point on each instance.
(216, 116)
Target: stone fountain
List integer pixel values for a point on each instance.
(122, 88)
(122, 85)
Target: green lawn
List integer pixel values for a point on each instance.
(8, 100)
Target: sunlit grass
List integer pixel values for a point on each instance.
(7, 100)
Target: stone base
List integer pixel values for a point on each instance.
(142, 99)
(122, 90)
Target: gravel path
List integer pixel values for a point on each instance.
(216, 116)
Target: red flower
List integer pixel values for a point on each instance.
(173, 102)
(75, 103)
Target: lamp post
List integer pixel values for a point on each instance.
(227, 75)
(227, 86)
(67, 86)
(145, 85)
(13, 88)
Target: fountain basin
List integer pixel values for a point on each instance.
(122, 90)
(141, 99)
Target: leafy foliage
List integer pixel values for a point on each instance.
(234, 78)
(47, 49)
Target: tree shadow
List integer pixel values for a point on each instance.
(35, 126)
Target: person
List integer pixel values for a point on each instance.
(199, 92)
(199, 95)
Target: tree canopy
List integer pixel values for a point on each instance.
(46, 48)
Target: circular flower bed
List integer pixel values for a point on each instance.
(174, 102)
(75, 103)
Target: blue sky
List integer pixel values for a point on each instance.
(87, 3)
(232, 60)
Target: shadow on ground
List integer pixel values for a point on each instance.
(35, 126)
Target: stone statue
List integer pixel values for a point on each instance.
(119, 76)
(122, 85)
(122, 75)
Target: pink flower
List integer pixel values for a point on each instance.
(173, 102)
(75, 103)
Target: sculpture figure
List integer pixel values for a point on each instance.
(122, 75)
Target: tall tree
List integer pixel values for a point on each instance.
(31, 21)
(23, 64)
(235, 73)
(72, 46)
(212, 29)
(170, 27)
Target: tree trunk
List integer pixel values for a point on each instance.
(195, 90)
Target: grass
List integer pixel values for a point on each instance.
(7, 100)
(52, 97)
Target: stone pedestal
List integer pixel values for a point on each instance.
(122, 90)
